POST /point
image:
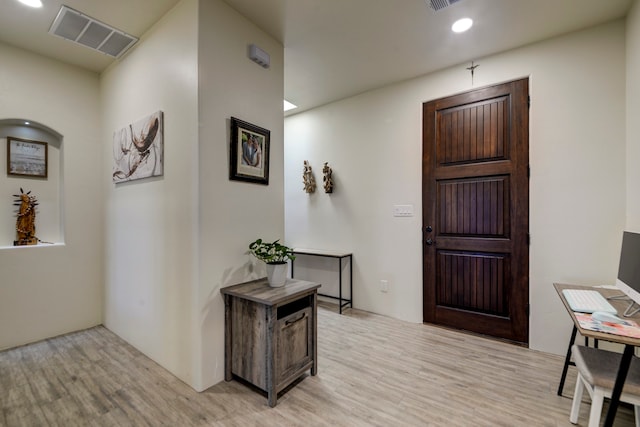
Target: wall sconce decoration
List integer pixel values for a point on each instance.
(327, 179)
(308, 179)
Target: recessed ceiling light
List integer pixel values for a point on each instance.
(31, 3)
(461, 25)
(289, 106)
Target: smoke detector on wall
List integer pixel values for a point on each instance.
(441, 4)
(87, 31)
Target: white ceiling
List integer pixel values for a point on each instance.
(336, 48)
(28, 28)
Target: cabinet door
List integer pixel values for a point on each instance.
(248, 341)
(293, 343)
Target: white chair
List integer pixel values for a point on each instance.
(597, 370)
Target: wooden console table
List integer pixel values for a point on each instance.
(270, 333)
(342, 302)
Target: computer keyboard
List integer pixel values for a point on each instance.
(587, 301)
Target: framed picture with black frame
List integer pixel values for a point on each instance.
(249, 152)
(27, 158)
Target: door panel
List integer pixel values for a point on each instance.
(473, 133)
(473, 282)
(476, 211)
(474, 207)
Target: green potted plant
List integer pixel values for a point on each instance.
(275, 256)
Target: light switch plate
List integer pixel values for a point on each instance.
(402, 210)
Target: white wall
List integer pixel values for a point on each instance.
(50, 290)
(151, 224)
(233, 213)
(173, 241)
(373, 142)
(633, 112)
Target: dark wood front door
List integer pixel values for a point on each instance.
(475, 197)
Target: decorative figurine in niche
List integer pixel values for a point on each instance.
(308, 179)
(26, 221)
(327, 179)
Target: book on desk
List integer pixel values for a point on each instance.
(630, 329)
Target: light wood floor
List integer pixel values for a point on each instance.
(373, 371)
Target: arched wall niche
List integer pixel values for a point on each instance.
(48, 191)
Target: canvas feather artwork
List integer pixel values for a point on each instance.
(138, 149)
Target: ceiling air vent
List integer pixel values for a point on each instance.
(82, 29)
(441, 4)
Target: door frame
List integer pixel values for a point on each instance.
(518, 134)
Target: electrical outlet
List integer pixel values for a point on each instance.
(384, 285)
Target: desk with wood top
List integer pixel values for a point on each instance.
(628, 342)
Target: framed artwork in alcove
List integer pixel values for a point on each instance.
(26, 157)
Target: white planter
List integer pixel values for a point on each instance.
(277, 274)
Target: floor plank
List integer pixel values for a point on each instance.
(373, 371)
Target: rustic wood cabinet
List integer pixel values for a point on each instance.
(270, 333)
